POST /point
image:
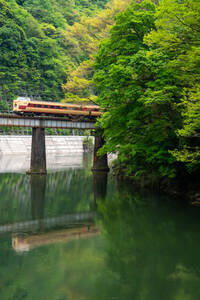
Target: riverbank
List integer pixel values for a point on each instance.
(184, 187)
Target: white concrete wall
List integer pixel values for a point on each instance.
(21, 162)
(12, 144)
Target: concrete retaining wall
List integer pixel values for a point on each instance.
(13, 144)
(21, 162)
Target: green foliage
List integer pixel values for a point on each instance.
(88, 144)
(178, 36)
(82, 40)
(147, 76)
(34, 56)
(137, 90)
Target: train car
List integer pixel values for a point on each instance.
(28, 107)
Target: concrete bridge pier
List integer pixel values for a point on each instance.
(100, 163)
(38, 152)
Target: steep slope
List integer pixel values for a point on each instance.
(34, 56)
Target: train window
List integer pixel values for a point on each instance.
(45, 106)
(57, 107)
(52, 106)
(39, 105)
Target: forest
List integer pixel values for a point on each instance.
(148, 81)
(41, 42)
(139, 60)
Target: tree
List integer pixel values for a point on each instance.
(178, 37)
(139, 93)
(82, 40)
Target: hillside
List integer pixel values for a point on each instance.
(34, 55)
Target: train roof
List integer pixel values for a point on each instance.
(23, 99)
(26, 99)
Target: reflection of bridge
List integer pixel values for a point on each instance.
(23, 243)
(47, 223)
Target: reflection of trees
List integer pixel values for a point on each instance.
(68, 191)
(14, 197)
(153, 248)
(72, 190)
(149, 251)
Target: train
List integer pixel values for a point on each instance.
(44, 108)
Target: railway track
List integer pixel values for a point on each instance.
(11, 115)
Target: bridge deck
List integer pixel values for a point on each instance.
(12, 120)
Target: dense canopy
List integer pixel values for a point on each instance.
(147, 76)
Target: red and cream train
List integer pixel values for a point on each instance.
(31, 108)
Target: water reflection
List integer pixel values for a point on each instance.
(27, 198)
(22, 242)
(152, 247)
(38, 189)
(148, 248)
(100, 179)
(75, 227)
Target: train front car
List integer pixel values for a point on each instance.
(20, 106)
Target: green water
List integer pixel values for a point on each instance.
(145, 247)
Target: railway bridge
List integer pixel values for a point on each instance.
(38, 125)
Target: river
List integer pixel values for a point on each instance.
(75, 235)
